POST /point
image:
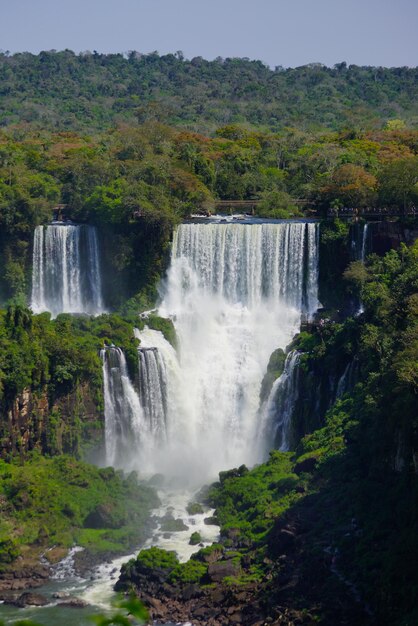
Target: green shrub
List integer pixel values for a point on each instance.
(153, 558)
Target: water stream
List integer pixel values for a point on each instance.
(235, 292)
(66, 275)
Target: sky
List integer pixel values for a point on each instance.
(278, 32)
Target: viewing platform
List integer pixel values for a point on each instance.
(372, 212)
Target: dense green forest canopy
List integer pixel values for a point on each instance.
(65, 91)
(139, 181)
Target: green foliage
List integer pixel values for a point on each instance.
(399, 183)
(165, 326)
(156, 558)
(195, 538)
(348, 186)
(274, 370)
(103, 89)
(277, 204)
(188, 573)
(194, 508)
(248, 502)
(62, 495)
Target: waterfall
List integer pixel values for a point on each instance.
(364, 243)
(125, 428)
(158, 376)
(347, 380)
(362, 258)
(276, 413)
(250, 264)
(235, 292)
(360, 247)
(153, 389)
(66, 273)
(342, 382)
(359, 241)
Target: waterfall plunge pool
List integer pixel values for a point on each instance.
(236, 290)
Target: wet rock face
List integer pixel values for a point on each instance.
(221, 569)
(216, 604)
(29, 599)
(75, 603)
(27, 420)
(214, 607)
(25, 576)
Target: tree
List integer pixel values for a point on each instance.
(399, 183)
(350, 184)
(395, 125)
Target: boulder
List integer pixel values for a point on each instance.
(281, 541)
(76, 603)
(102, 517)
(171, 525)
(221, 569)
(213, 555)
(30, 599)
(195, 539)
(306, 465)
(191, 591)
(194, 508)
(211, 521)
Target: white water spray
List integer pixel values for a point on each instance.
(66, 274)
(276, 412)
(235, 293)
(125, 428)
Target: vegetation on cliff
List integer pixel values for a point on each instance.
(330, 528)
(56, 363)
(61, 502)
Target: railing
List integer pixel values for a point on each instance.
(372, 212)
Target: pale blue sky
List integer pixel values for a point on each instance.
(279, 32)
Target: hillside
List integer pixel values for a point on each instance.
(62, 90)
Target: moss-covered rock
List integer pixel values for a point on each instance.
(275, 369)
(195, 538)
(171, 525)
(194, 508)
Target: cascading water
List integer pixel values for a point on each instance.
(153, 390)
(359, 241)
(125, 427)
(158, 379)
(276, 413)
(235, 292)
(250, 264)
(361, 253)
(364, 242)
(347, 380)
(66, 273)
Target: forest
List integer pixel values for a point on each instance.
(140, 181)
(90, 91)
